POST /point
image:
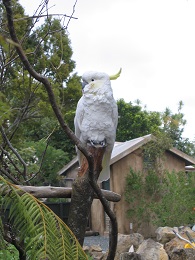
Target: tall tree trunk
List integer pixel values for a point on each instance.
(82, 198)
(83, 194)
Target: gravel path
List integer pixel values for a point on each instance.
(102, 241)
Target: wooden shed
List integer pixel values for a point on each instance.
(125, 155)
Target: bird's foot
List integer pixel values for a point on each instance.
(95, 143)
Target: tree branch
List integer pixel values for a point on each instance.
(24, 173)
(9, 176)
(43, 15)
(61, 192)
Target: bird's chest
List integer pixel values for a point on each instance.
(97, 107)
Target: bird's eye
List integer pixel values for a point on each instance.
(92, 79)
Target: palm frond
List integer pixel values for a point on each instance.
(43, 234)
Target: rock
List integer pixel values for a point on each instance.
(183, 254)
(130, 256)
(165, 234)
(86, 248)
(136, 239)
(176, 248)
(149, 249)
(95, 248)
(183, 229)
(126, 241)
(94, 251)
(174, 244)
(97, 255)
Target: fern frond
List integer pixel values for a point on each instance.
(43, 233)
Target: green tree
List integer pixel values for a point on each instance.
(135, 122)
(26, 115)
(173, 125)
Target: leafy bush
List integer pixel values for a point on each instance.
(166, 201)
(9, 252)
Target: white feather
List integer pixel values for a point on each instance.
(97, 116)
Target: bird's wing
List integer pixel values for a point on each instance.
(105, 173)
(79, 118)
(115, 114)
(80, 111)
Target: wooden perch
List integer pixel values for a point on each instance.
(62, 192)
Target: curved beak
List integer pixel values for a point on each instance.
(84, 83)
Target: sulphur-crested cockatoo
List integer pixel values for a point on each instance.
(97, 116)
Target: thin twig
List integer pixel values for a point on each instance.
(8, 175)
(73, 11)
(10, 159)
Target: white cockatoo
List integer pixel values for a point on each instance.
(97, 116)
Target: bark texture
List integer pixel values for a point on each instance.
(61, 192)
(83, 194)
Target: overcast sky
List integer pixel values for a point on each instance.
(152, 40)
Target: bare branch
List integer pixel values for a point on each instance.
(10, 159)
(73, 11)
(44, 15)
(8, 175)
(24, 173)
(61, 192)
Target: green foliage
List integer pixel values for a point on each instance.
(42, 160)
(41, 233)
(173, 125)
(5, 110)
(54, 160)
(162, 199)
(9, 252)
(154, 151)
(136, 184)
(135, 122)
(178, 192)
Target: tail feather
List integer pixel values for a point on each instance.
(105, 173)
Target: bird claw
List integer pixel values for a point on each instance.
(97, 143)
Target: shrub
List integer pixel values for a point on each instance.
(166, 200)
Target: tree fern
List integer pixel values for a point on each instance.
(43, 234)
